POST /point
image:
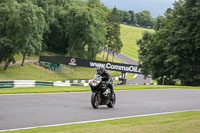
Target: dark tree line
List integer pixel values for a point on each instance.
(141, 19)
(74, 27)
(173, 51)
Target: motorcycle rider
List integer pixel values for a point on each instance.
(106, 77)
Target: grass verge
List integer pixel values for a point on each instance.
(55, 89)
(187, 122)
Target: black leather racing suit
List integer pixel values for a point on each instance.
(106, 77)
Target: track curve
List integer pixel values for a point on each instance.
(140, 78)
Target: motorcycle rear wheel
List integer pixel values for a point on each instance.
(111, 104)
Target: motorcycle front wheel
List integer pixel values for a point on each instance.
(95, 100)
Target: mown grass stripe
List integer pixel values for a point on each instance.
(6, 81)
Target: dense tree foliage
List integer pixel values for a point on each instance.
(8, 26)
(85, 23)
(21, 29)
(174, 50)
(31, 20)
(78, 28)
(142, 19)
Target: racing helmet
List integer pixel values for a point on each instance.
(100, 70)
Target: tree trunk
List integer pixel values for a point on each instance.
(113, 54)
(13, 61)
(7, 63)
(107, 54)
(104, 51)
(23, 59)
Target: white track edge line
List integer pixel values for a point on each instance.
(64, 124)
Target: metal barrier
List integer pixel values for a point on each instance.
(6, 84)
(33, 83)
(44, 83)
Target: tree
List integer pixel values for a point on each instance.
(133, 19)
(21, 29)
(6, 51)
(175, 45)
(145, 19)
(114, 43)
(55, 34)
(31, 21)
(9, 45)
(158, 22)
(50, 8)
(85, 26)
(125, 17)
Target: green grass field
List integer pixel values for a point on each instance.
(129, 37)
(188, 122)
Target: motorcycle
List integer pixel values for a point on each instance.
(101, 93)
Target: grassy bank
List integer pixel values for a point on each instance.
(129, 37)
(56, 89)
(188, 122)
(34, 72)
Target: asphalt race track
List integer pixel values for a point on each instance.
(30, 110)
(140, 78)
